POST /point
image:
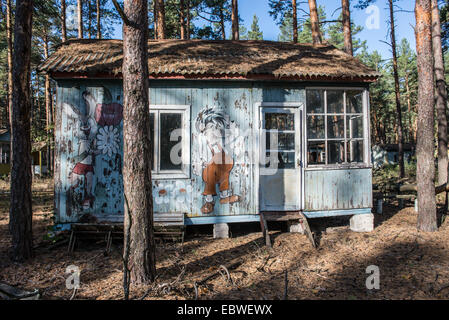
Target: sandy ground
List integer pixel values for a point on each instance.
(412, 265)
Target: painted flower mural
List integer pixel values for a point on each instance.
(98, 123)
(108, 140)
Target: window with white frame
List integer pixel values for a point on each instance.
(335, 126)
(170, 132)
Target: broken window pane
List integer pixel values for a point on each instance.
(315, 127)
(355, 127)
(336, 151)
(280, 141)
(315, 101)
(335, 101)
(357, 151)
(280, 121)
(354, 100)
(335, 127)
(316, 152)
(280, 160)
(170, 151)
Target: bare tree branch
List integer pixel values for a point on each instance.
(121, 13)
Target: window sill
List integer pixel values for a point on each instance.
(170, 176)
(338, 167)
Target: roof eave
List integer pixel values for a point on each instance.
(248, 77)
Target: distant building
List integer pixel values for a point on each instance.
(5, 152)
(38, 155)
(388, 154)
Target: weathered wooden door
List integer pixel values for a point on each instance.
(281, 159)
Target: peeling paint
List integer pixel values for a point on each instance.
(325, 190)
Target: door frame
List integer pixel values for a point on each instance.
(258, 137)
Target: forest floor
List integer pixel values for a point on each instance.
(412, 265)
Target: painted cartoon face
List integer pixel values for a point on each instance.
(213, 134)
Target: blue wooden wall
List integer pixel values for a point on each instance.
(235, 99)
(328, 190)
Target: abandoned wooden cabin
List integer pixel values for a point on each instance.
(38, 155)
(290, 121)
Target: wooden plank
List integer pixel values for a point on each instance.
(282, 216)
(265, 232)
(406, 196)
(414, 188)
(308, 231)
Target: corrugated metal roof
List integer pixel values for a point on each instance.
(220, 59)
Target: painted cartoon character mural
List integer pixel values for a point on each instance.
(97, 135)
(215, 129)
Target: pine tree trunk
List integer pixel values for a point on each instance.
(397, 93)
(139, 252)
(441, 95)
(80, 19)
(347, 27)
(182, 19)
(21, 214)
(427, 219)
(235, 20)
(222, 24)
(63, 21)
(409, 107)
(47, 104)
(295, 21)
(52, 153)
(315, 23)
(155, 19)
(89, 17)
(9, 58)
(159, 9)
(188, 19)
(98, 20)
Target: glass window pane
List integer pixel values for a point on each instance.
(279, 121)
(357, 151)
(336, 151)
(335, 127)
(354, 100)
(280, 160)
(170, 151)
(281, 141)
(316, 152)
(315, 101)
(153, 161)
(355, 127)
(335, 101)
(315, 127)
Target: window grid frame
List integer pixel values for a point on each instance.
(347, 140)
(184, 111)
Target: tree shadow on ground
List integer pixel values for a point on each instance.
(397, 279)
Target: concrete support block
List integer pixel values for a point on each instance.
(362, 223)
(221, 231)
(295, 227)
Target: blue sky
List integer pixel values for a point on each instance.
(405, 21)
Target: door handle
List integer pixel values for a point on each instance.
(299, 163)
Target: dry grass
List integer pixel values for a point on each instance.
(413, 265)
